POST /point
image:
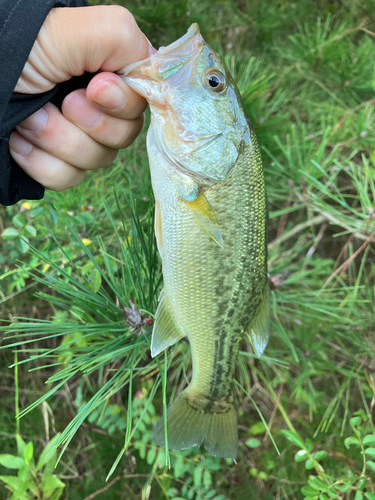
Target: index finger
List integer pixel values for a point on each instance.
(101, 37)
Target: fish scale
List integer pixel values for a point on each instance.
(211, 230)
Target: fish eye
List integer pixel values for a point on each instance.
(216, 81)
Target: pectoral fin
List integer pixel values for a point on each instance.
(259, 329)
(165, 332)
(203, 211)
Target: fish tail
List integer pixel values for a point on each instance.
(190, 423)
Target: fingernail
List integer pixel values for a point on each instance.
(35, 122)
(19, 144)
(81, 111)
(108, 95)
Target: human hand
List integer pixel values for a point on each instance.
(56, 148)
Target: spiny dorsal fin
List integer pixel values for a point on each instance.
(258, 330)
(165, 332)
(203, 211)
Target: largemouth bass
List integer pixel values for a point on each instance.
(211, 230)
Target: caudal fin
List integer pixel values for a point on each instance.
(190, 426)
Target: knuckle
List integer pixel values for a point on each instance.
(125, 29)
(137, 128)
(87, 153)
(70, 150)
(109, 157)
(65, 176)
(56, 186)
(56, 180)
(117, 139)
(129, 140)
(77, 179)
(123, 137)
(128, 20)
(124, 21)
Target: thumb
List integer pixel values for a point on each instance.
(75, 40)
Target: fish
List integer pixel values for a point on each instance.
(211, 229)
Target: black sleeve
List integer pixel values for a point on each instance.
(20, 22)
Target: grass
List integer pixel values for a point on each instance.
(307, 75)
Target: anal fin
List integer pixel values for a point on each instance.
(203, 211)
(258, 330)
(158, 229)
(165, 332)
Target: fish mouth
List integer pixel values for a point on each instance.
(149, 77)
